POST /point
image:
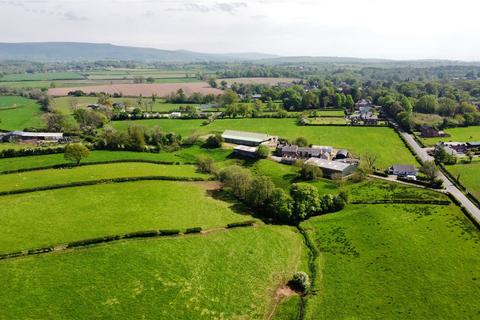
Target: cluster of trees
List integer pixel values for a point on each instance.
(259, 193)
(138, 138)
(196, 97)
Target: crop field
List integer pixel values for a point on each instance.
(17, 113)
(190, 277)
(34, 179)
(109, 209)
(135, 90)
(381, 141)
(464, 134)
(469, 176)
(395, 262)
(184, 155)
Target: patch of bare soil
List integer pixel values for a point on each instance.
(281, 293)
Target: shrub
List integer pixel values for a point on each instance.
(193, 230)
(301, 142)
(75, 152)
(214, 141)
(300, 282)
(141, 234)
(205, 164)
(168, 232)
(310, 172)
(263, 151)
(247, 223)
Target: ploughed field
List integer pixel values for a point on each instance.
(135, 90)
(382, 141)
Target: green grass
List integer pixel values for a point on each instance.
(464, 134)
(288, 309)
(17, 113)
(42, 76)
(381, 141)
(33, 179)
(395, 262)
(52, 217)
(331, 113)
(184, 155)
(225, 275)
(469, 176)
(327, 120)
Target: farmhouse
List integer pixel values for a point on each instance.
(363, 104)
(22, 135)
(403, 170)
(296, 152)
(430, 132)
(247, 138)
(245, 151)
(330, 168)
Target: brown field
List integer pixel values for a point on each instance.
(267, 81)
(135, 90)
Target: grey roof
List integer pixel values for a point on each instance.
(290, 148)
(329, 164)
(473, 144)
(245, 148)
(37, 134)
(247, 136)
(404, 168)
(343, 152)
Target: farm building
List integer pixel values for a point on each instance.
(341, 154)
(245, 151)
(330, 168)
(430, 132)
(22, 135)
(403, 170)
(247, 138)
(296, 152)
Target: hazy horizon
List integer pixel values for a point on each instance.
(373, 29)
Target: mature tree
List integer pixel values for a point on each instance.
(310, 100)
(300, 282)
(212, 82)
(57, 122)
(427, 104)
(229, 97)
(113, 139)
(442, 156)
(430, 170)
(446, 107)
(238, 179)
(260, 192)
(104, 99)
(89, 119)
(301, 142)
(281, 205)
(136, 136)
(306, 200)
(75, 152)
(263, 151)
(214, 141)
(370, 159)
(310, 172)
(73, 103)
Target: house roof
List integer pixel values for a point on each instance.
(289, 148)
(37, 134)
(329, 164)
(473, 144)
(343, 152)
(245, 148)
(404, 168)
(246, 136)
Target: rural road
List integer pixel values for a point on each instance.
(449, 186)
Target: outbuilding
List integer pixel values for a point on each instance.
(23, 135)
(245, 151)
(330, 167)
(246, 138)
(403, 170)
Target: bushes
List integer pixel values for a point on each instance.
(247, 223)
(310, 172)
(213, 141)
(193, 230)
(205, 164)
(263, 151)
(300, 282)
(11, 153)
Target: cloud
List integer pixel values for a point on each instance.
(230, 7)
(197, 7)
(149, 14)
(206, 8)
(72, 16)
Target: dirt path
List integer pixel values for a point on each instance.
(280, 294)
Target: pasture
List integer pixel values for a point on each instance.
(17, 113)
(184, 155)
(63, 215)
(469, 174)
(258, 80)
(223, 275)
(34, 179)
(382, 141)
(395, 262)
(463, 134)
(45, 76)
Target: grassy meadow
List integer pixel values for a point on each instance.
(381, 141)
(469, 176)
(395, 262)
(33, 179)
(41, 76)
(463, 134)
(222, 275)
(62, 215)
(17, 113)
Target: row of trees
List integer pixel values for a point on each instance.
(259, 192)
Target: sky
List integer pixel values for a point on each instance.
(393, 29)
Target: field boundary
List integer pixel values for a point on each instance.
(156, 233)
(71, 165)
(102, 181)
(406, 201)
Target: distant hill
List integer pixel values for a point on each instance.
(78, 51)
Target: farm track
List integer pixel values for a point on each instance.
(82, 244)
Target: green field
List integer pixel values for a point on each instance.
(395, 262)
(469, 176)
(381, 141)
(327, 120)
(184, 155)
(464, 134)
(17, 113)
(223, 275)
(42, 76)
(62, 215)
(33, 179)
